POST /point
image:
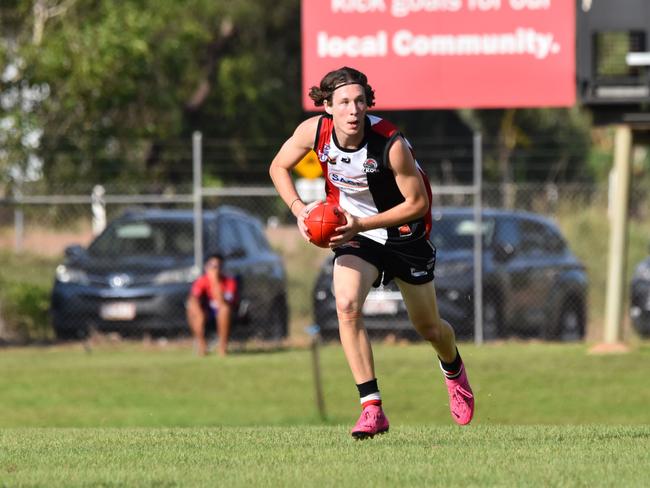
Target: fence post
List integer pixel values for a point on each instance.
(19, 220)
(314, 333)
(478, 239)
(98, 206)
(197, 198)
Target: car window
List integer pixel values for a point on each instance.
(158, 238)
(262, 243)
(254, 239)
(508, 232)
(211, 241)
(532, 237)
(457, 232)
(230, 239)
(553, 241)
(248, 241)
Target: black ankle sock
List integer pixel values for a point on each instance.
(453, 369)
(368, 388)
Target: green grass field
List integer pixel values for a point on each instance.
(130, 414)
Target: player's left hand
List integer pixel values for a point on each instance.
(347, 231)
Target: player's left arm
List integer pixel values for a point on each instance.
(410, 183)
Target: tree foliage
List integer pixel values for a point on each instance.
(544, 145)
(129, 80)
(111, 91)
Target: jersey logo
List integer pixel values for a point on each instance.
(347, 183)
(345, 160)
(370, 166)
(324, 154)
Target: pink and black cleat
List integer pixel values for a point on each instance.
(372, 421)
(461, 398)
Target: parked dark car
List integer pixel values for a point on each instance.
(640, 297)
(533, 285)
(135, 277)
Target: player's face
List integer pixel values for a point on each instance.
(348, 109)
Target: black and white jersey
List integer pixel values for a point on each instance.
(360, 181)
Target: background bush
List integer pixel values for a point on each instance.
(25, 286)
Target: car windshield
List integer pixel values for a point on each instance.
(457, 232)
(145, 238)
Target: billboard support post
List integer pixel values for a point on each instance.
(619, 202)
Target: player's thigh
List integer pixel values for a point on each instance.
(421, 303)
(353, 277)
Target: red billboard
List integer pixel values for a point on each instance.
(428, 54)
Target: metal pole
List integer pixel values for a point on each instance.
(318, 382)
(197, 160)
(19, 229)
(618, 235)
(314, 333)
(19, 220)
(478, 240)
(98, 208)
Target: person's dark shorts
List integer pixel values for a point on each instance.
(412, 262)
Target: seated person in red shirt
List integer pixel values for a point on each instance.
(211, 300)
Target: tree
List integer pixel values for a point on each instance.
(128, 81)
(545, 145)
(111, 91)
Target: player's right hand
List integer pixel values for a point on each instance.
(302, 227)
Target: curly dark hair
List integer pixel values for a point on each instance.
(340, 77)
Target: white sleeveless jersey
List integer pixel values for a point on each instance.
(360, 181)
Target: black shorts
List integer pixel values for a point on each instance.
(412, 262)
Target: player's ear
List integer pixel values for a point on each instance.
(328, 106)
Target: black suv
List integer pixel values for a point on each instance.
(533, 285)
(135, 277)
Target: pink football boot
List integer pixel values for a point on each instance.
(372, 421)
(461, 398)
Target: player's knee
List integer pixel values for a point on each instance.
(433, 330)
(345, 304)
(347, 309)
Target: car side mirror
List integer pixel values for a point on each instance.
(503, 251)
(74, 251)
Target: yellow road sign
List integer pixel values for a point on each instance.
(309, 166)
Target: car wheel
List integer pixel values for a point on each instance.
(641, 322)
(492, 318)
(570, 326)
(277, 327)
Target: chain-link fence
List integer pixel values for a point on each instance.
(543, 261)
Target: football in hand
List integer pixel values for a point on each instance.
(322, 222)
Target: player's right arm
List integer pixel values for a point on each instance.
(290, 154)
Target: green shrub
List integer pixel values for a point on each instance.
(25, 287)
(25, 309)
